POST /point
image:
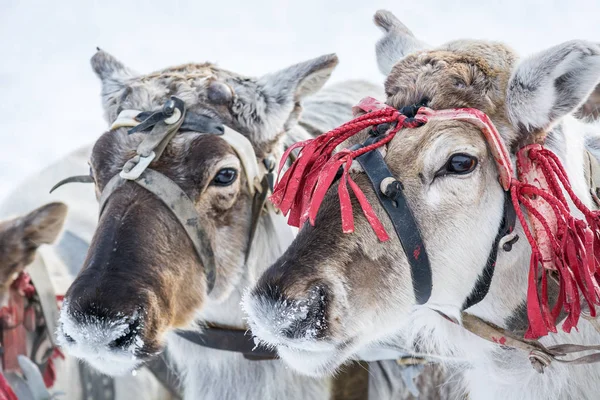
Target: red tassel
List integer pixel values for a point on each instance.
(302, 188)
(565, 243)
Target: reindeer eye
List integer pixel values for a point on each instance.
(225, 177)
(460, 164)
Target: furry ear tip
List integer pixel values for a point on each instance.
(384, 19)
(56, 209)
(388, 22)
(331, 60)
(98, 48)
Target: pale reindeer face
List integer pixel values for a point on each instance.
(333, 294)
(142, 277)
(20, 238)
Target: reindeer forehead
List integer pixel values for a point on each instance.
(188, 155)
(189, 82)
(410, 146)
(458, 74)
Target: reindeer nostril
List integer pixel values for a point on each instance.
(129, 335)
(312, 323)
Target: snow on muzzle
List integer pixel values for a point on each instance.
(278, 319)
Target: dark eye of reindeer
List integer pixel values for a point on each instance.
(460, 164)
(225, 177)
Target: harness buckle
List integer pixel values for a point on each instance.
(136, 166)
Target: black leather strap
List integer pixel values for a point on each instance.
(230, 340)
(192, 122)
(404, 224)
(482, 286)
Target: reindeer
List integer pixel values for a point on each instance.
(333, 293)
(20, 241)
(145, 278)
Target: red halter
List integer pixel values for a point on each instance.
(559, 240)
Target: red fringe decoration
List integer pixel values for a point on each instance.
(303, 186)
(560, 242)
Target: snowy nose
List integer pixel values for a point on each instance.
(100, 333)
(272, 316)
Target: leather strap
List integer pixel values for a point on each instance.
(539, 355)
(182, 208)
(482, 286)
(404, 223)
(236, 340)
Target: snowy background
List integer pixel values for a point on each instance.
(49, 97)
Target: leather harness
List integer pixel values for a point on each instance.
(260, 177)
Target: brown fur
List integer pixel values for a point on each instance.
(455, 75)
(164, 277)
(21, 237)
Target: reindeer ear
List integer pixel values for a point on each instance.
(292, 84)
(284, 90)
(113, 74)
(551, 84)
(397, 42)
(43, 225)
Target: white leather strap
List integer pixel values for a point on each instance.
(240, 144)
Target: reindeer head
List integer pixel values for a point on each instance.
(142, 276)
(21, 237)
(332, 294)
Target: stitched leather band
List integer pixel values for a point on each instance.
(482, 286)
(404, 224)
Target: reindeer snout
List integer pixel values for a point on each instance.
(276, 318)
(98, 332)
